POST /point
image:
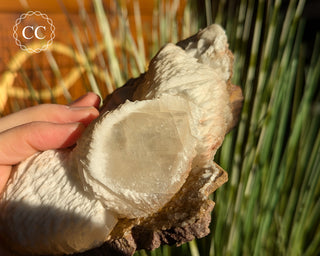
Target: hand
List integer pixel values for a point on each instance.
(43, 127)
(39, 128)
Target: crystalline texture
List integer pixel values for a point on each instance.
(145, 150)
(142, 172)
(43, 211)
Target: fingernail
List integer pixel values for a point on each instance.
(84, 114)
(81, 108)
(83, 96)
(76, 126)
(75, 131)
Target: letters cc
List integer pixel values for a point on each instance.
(34, 30)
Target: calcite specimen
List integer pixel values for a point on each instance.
(148, 151)
(141, 173)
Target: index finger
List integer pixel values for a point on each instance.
(23, 141)
(49, 113)
(83, 110)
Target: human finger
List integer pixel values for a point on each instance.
(50, 113)
(89, 99)
(23, 141)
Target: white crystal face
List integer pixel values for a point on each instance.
(152, 143)
(129, 162)
(141, 155)
(174, 71)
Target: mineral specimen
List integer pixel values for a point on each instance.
(141, 173)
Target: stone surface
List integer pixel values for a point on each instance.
(139, 156)
(141, 174)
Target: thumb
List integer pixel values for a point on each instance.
(23, 141)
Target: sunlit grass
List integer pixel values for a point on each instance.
(270, 206)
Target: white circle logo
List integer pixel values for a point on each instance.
(33, 32)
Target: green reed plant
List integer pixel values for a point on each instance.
(270, 206)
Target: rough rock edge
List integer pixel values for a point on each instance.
(163, 228)
(179, 222)
(174, 224)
